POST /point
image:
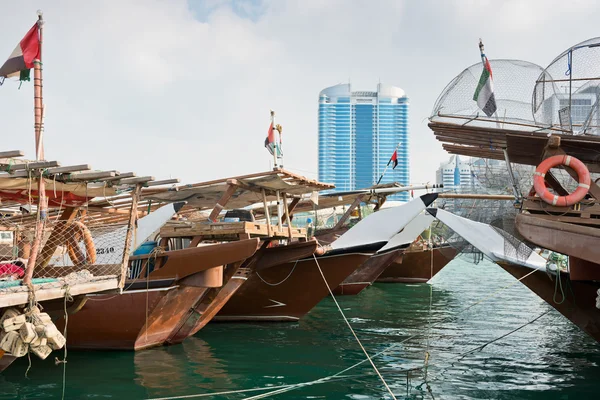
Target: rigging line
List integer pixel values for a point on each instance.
(460, 356)
(352, 330)
(291, 385)
(278, 283)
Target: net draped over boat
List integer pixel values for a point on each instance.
(570, 83)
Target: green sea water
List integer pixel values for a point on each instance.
(548, 359)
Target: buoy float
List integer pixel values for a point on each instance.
(74, 232)
(562, 201)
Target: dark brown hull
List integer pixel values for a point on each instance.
(579, 305)
(566, 238)
(143, 318)
(366, 274)
(288, 291)
(207, 307)
(417, 266)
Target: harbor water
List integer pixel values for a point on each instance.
(547, 359)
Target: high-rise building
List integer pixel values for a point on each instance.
(358, 133)
(455, 174)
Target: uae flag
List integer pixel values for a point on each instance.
(21, 60)
(273, 141)
(484, 94)
(394, 159)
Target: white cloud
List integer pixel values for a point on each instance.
(169, 88)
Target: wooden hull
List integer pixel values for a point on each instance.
(152, 315)
(579, 305)
(417, 266)
(366, 274)
(288, 291)
(207, 307)
(566, 238)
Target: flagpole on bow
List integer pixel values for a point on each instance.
(275, 145)
(388, 164)
(39, 153)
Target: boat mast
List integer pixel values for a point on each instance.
(39, 154)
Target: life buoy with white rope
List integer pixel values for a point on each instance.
(75, 232)
(541, 189)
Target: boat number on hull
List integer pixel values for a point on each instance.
(105, 250)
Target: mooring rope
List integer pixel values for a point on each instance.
(352, 330)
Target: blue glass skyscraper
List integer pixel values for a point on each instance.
(358, 132)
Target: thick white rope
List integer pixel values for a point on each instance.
(352, 330)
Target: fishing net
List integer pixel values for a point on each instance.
(79, 247)
(514, 81)
(567, 93)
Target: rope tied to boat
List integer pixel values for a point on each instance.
(278, 283)
(352, 330)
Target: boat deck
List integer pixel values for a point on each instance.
(228, 230)
(57, 288)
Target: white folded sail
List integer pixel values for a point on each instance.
(490, 241)
(410, 232)
(381, 226)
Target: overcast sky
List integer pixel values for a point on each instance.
(183, 88)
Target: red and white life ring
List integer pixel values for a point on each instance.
(563, 201)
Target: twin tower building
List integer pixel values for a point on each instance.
(358, 133)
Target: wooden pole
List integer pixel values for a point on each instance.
(267, 215)
(38, 104)
(287, 215)
(131, 234)
(279, 211)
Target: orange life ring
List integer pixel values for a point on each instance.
(562, 201)
(75, 231)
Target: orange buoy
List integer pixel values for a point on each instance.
(77, 231)
(562, 201)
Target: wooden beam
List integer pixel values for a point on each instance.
(293, 205)
(70, 168)
(135, 181)
(119, 176)
(90, 176)
(34, 165)
(11, 153)
(222, 202)
(287, 215)
(163, 182)
(348, 212)
(267, 215)
(476, 196)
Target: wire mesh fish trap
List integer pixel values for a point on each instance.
(567, 92)
(514, 81)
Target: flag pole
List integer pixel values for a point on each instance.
(388, 164)
(39, 154)
(275, 165)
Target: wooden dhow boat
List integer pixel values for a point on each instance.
(550, 122)
(418, 264)
(280, 242)
(286, 291)
(376, 196)
(182, 281)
